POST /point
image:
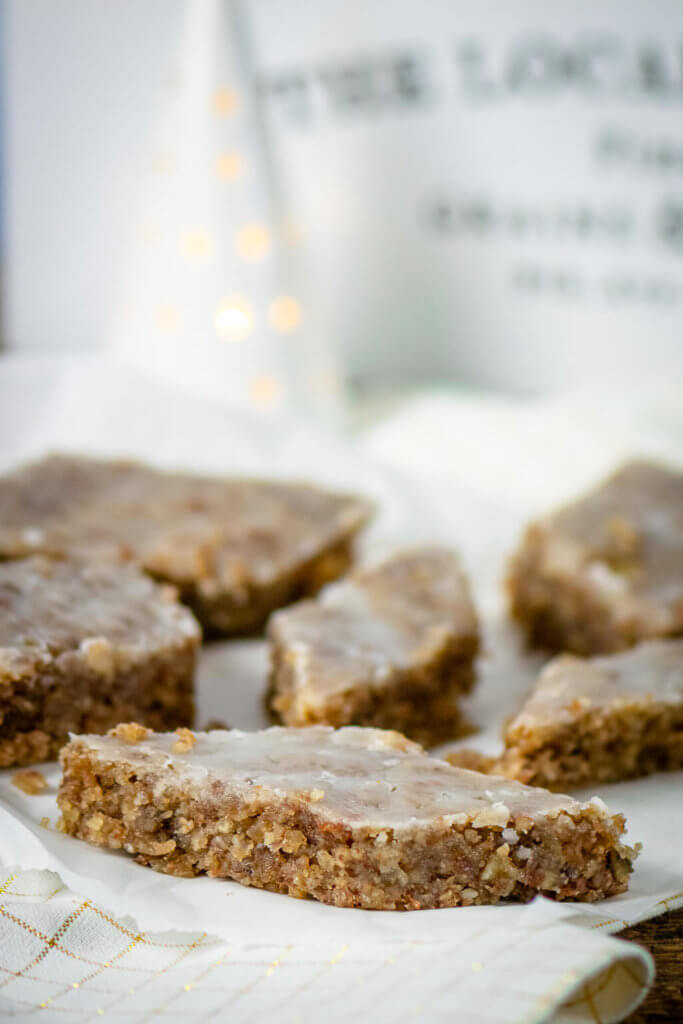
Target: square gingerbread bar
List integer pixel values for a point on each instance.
(84, 647)
(391, 646)
(599, 719)
(606, 571)
(235, 548)
(353, 817)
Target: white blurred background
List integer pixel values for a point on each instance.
(271, 200)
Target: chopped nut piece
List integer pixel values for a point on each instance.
(29, 782)
(496, 814)
(345, 816)
(99, 655)
(186, 740)
(130, 732)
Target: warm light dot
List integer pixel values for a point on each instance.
(163, 163)
(253, 241)
(284, 313)
(264, 390)
(225, 101)
(197, 246)
(188, 988)
(476, 965)
(233, 319)
(75, 984)
(168, 318)
(229, 166)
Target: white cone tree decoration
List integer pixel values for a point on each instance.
(208, 297)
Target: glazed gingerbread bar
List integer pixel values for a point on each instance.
(83, 648)
(600, 719)
(354, 817)
(392, 646)
(235, 548)
(605, 572)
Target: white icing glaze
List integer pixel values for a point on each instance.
(628, 529)
(392, 617)
(367, 777)
(223, 533)
(50, 607)
(649, 672)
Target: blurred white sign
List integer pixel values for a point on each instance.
(488, 190)
(485, 192)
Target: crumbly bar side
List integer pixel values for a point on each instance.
(280, 843)
(423, 704)
(601, 744)
(68, 695)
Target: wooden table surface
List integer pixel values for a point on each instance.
(663, 937)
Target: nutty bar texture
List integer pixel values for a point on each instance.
(601, 719)
(352, 817)
(85, 647)
(605, 572)
(235, 548)
(391, 646)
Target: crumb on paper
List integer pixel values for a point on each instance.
(215, 723)
(29, 781)
(45, 822)
(474, 760)
(185, 742)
